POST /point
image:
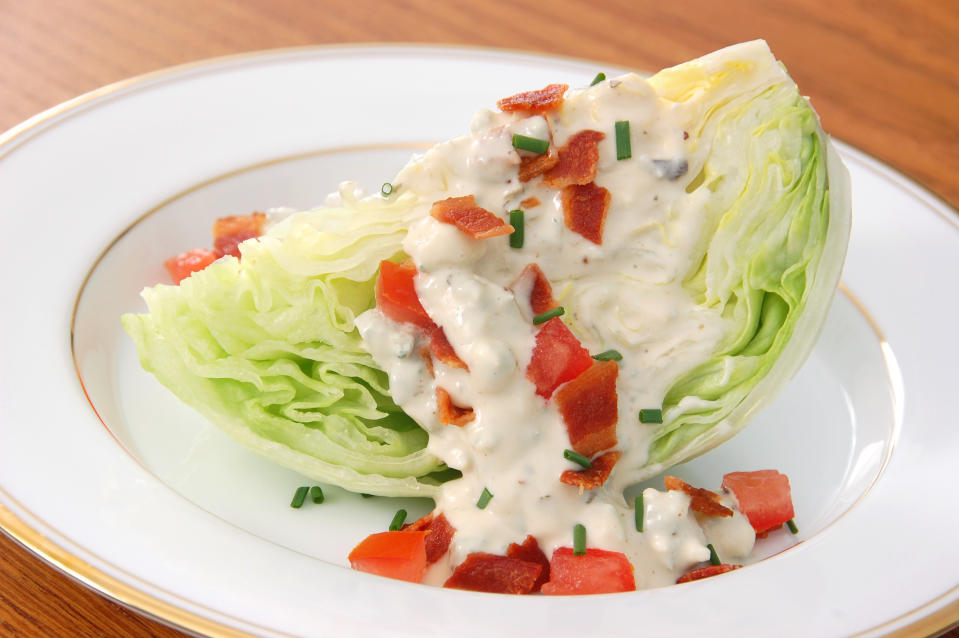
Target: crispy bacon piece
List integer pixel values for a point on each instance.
(584, 210)
(595, 476)
(424, 352)
(530, 202)
(706, 572)
(558, 357)
(541, 293)
(700, 500)
(578, 158)
(441, 348)
(540, 101)
(229, 232)
(496, 574)
(589, 407)
(449, 413)
(530, 552)
(531, 166)
(465, 214)
(439, 535)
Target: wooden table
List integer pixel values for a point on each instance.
(884, 76)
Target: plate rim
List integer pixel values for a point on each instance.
(932, 615)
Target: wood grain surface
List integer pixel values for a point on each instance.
(884, 76)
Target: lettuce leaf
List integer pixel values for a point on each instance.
(265, 348)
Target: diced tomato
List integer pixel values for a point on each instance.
(396, 294)
(185, 264)
(700, 500)
(595, 475)
(439, 534)
(230, 232)
(399, 554)
(589, 408)
(449, 413)
(558, 357)
(531, 553)
(596, 572)
(496, 574)
(763, 496)
(469, 217)
(706, 572)
(578, 159)
(539, 101)
(441, 348)
(584, 210)
(531, 166)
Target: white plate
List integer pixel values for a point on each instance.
(141, 499)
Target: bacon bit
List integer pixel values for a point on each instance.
(588, 404)
(450, 414)
(465, 214)
(530, 202)
(229, 232)
(440, 534)
(531, 166)
(441, 348)
(495, 574)
(424, 352)
(530, 552)
(540, 101)
(595, 476)
(577, 160)
(706, 572)
(541, 293)
(700, 500)
(584, 209)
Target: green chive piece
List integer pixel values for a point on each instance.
(577, 458)
(579, 540)
(623, 148)
(517, 221)
(366, 495)
(531, 144)
(559, 311)
(791, 524)
(608, 355)
(650, 416)
(713, 556)
(599, 78)
(484, 499)
(386, 189)
(640, 512)
(316, 494)
(398, 519)
(299, 497)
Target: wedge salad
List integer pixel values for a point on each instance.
(595, 284)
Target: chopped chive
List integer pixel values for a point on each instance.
(517, 221)
(386, 189)
(316, 494)
(398, 519)
(608, 355)
(532, 144)
(791, 524)
(640, 512)
(623, 148)
(366, 495)
(299, 497)
(650, 415)
(484, 499)
(577, 458)
(599, 78)
(713, 556)
(549, 314)
(579, 539)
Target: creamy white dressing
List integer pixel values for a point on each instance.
(625, 294)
